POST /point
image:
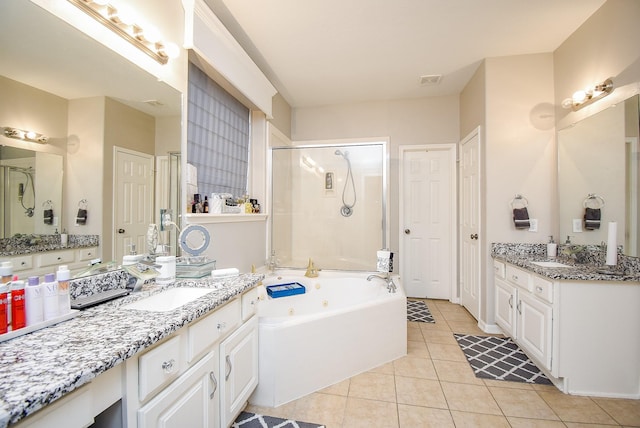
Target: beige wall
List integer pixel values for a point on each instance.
(409, 121)
(281, 115)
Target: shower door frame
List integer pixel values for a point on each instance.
(337, 143)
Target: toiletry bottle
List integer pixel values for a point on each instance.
(33, 301)
(18, 319)
(205, 205)
(64, 300)
(552, 248)
(6, 273)
(50, 297)
(4, 304)
(167, 269)
(63, 238)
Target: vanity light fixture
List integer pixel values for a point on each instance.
(589, 95)
(122, 22)
(21, 134)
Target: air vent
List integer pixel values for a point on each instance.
(154, 103)
(430, 79)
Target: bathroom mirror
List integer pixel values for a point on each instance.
(599, 156)
(46, 64)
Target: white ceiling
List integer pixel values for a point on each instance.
(321, 52)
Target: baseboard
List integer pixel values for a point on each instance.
(489, 328)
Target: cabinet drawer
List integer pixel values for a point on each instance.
(87, 253)
(498, 269)
(518, 277)
(158, 367)
(208, 331)
(22, 263)
(56, 258)
(249, 303)
(542, 288)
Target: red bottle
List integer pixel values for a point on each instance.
(18, 316)
(4, 291)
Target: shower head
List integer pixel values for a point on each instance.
(341, 153)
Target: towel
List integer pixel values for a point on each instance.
(521, 218)
(592, 218)
(385, 261)
(48, 216)
(81, 217)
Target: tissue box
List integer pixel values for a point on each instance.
(282, 290)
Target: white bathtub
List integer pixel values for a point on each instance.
(342, 326)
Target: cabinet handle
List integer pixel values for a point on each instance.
(539, 289)
(222, 325)
(167, 366)
(212, 376)
(511, 301)
(514, 277)
(519, 307)
(229, 367)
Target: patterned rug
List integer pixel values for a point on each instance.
(499, 358)
(417, 310)
(253, 420)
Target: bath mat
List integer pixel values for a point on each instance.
(417, 310)
(253, 420)
(499, 358)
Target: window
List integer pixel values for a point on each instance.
(218, 136)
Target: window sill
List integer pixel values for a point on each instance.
(223, 218)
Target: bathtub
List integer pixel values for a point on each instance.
(342, 326)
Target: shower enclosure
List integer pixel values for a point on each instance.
(329, 204)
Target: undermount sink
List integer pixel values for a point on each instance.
(168, 300)
(551, 264)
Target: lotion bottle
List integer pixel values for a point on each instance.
(17, 304)
(4, 306)
(64, 300)
(33, 301)
(50, 297)
(552, 248)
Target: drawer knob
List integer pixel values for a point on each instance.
(539, 289)
(167, 366)
(514, 277)
(222, 325)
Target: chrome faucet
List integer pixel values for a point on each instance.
(391, 286)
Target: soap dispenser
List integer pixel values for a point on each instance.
(552, 248)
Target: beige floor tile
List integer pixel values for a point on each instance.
(533, 423)
(465, 327)
(417, 349)
(415, 334)
(477, 420)
(508, 384)
(438, 336)
(285, 411)
(373, 386)
(523, 404)
(370, 414)
(470, 398)
(412, 325)
(625, 412)
(441, 351)
(571, 408)
(420, 392)
(424, 417)
(456, 371)
(457, 316)
(383, 369)
(321, 409)
(583, 425)
(440, 324)
(415, 367)
(340, 388)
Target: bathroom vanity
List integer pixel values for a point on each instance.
(580, 327)
(194, 365)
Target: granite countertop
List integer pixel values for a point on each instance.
(32, 244)
(576, 271)
(40, 367)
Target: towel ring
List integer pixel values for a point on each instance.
(83, 204)
(47, 204)
(519, 200)
(593, 201)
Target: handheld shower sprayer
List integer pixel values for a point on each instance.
(347, 209)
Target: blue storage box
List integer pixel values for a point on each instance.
(281, 290)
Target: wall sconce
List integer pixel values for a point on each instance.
(122, 22)
(21, 134)
(587, 96)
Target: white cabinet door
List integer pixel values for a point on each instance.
(191, 401)
(506, 300)
(239, 368)
(534, 328)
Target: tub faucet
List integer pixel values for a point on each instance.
(311, 272)
(391, 286)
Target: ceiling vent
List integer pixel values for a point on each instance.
(430, 79)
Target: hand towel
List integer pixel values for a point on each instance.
(385, 261)
(48, 216)
(81, 217)
(592, 218)
(521, 218)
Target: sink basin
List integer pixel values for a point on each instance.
(168, 300)
(551, 264)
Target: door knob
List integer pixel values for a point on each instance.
(120, 230)
(407, 231)
(474, 236)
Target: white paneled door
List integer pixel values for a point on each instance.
(428, 220)
(132, 200)
(470, 223)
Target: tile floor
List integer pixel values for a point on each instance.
(433, 386)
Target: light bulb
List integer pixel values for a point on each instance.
(31, 135)
(579, 97)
